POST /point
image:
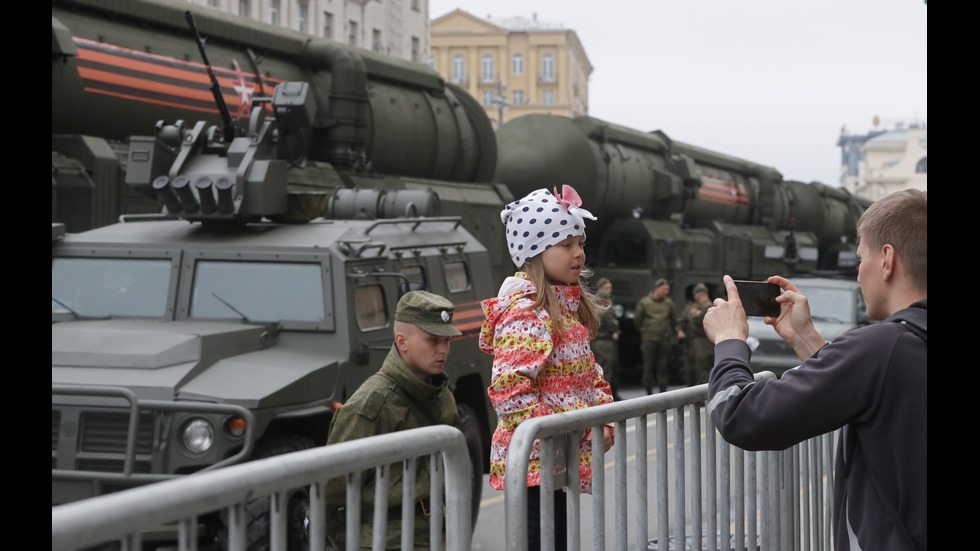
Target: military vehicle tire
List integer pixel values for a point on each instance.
(469, 425)
(257, 512)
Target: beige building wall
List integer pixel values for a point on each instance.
(514, 66)
(399, 28)
(892, 162)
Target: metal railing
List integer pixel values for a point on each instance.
(125, 515)
(761, 500)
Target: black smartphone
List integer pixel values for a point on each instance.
(758, 297)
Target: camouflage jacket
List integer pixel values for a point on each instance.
(692, 322)
(608, 324)
(376, 408)
(656, 319)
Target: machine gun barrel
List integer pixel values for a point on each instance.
(215, 87)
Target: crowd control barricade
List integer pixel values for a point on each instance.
(709, 495)
(123, 516)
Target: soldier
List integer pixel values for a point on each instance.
(656, 319)
(605, 345)
(409, 392)
(700, 351)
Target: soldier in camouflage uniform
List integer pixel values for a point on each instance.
(700, 351)
(410, 391)
(605, 345)
(656, 319)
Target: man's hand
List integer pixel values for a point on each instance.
(794, 323)
(726, 319)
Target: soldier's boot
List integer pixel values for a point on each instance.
(649, 389)
(663, 388)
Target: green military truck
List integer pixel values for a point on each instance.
(179, 347)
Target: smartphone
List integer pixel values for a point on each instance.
(758, 297)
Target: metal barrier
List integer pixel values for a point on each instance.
(124, 515)
(790, 493)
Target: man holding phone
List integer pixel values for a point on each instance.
(870, 382)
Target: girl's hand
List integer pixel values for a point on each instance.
(607, 437)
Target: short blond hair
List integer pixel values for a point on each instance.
(899, 219)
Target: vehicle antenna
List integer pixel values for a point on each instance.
(215, 87)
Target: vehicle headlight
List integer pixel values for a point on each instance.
(198, 435)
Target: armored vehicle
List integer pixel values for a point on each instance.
(249, 285)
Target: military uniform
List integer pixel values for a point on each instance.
(700, 351)
(605, 349)
(656, 319)
(384, 404)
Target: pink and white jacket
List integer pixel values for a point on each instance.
(536, 374)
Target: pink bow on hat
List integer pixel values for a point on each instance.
(569, 197)
(572, 202)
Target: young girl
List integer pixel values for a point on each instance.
(538, 328)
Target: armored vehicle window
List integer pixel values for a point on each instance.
(104, 287)
(457, 279)
(369, 304)
(258, 291)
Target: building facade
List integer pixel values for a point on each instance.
(883, 161)
(399, 28)
(513, 66)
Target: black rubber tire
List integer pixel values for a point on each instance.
(469, 425)
(258, 511)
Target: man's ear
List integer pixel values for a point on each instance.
(888, 262)
(401, 341)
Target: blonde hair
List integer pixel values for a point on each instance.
(586, 314)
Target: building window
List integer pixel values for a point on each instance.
(274, 12)
(459, 69)
(487, 70)
(352, 36)
(376, 43)
(487, 98)
(243, 8)
(517, 65)
(301, 11)
(327, 25)
(415, 49)
(548, 67)
(920, 167)
(415, 5)
(518, 97)
(548, 97)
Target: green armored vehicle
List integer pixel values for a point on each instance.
(251, 288)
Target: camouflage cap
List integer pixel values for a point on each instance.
(429, 311)
(699, 288)
(659, 282)
(602, 281)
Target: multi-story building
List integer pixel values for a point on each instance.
(513, 66)
(883, 161)
(399, 28)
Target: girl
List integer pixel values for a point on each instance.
(538, 328)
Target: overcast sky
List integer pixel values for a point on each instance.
(768, 81)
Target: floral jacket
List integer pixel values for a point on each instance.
(536, 374)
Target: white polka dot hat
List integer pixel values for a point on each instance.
(542, 219)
